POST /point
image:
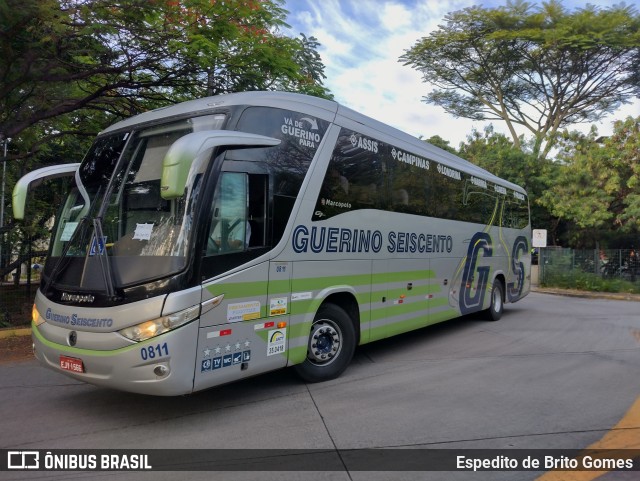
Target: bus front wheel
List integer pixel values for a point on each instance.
(332, 342)
(496, 308)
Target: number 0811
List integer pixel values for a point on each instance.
(152, 352)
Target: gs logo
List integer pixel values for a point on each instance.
(520, 248)
(479, 247)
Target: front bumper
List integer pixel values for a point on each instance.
(132, 368)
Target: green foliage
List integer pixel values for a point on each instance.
(123, 57)
(570, 269)
(584, 281)
(311, 69)
(598, 182)
(70, 68)
(440, 142)
(541, 68)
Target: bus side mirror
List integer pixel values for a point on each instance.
(178, 159)
(34, 179)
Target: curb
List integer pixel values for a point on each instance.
(613, 296)
(22, 331)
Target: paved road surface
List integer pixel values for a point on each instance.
(555, 372)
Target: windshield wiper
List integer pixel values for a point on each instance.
(101, 252)
(63, 255)
(76, 237)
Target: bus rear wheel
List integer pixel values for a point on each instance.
(496, 308)
(331, 345)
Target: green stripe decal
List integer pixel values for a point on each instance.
(87, 352)
(402, 276)
(318, 283)
(300, 329)
(416, 291)
(415, 301)
(411, 324)
(407, 308)
(297, 354)
(311, 305)
(234, 290)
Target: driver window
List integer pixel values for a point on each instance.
(230, 228)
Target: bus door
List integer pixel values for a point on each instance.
(235, 338)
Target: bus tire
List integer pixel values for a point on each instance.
(496, 307)
(332, 342)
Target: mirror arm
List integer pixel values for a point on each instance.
(34, 179)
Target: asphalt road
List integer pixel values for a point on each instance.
(555, 372)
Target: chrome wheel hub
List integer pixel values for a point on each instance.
(324, 342)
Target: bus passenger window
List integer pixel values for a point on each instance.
(400, 200)
(354, 179)
(337, 183)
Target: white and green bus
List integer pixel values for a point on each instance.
(229, 236)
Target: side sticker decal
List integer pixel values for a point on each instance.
(276, 342)
(514, 289)
(480, 246)
(243, 311)
(278, 306)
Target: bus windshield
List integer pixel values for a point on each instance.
(115, 210)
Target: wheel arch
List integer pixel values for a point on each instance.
(342, 296)
(347, 301)
(501, 278)
(491, 312)
(330, 345)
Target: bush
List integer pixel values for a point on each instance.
(15, 305)
(573, 279)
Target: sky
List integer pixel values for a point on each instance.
(361, 41)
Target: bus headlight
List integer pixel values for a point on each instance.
(149, 329)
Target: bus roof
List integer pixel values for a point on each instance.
(318, 107)
(314, 105)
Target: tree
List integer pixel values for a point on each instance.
(311, 68)
(598, 184)
(441, 143)
(538, 68)
(122, 57)
(69, 68)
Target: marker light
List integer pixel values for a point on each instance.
(149, 329)
(35, 316)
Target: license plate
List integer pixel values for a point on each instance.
(71, 364)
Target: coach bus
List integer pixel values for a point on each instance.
(228, 236)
